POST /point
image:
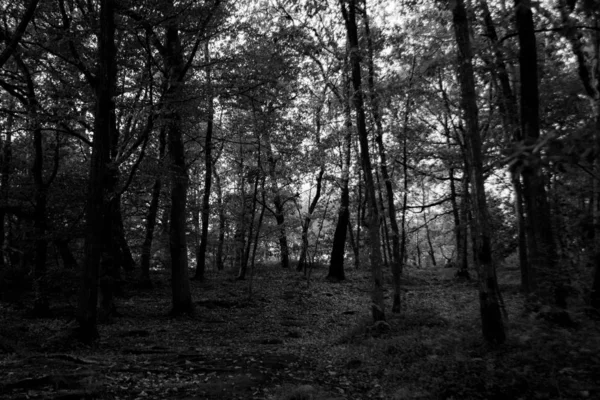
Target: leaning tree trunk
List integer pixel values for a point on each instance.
(313, 204)
(151, 217)
(338, 249)
(377, 306)
(307, 220)
(104, 129)
(396, 261)
(510, 120)
(492, 321)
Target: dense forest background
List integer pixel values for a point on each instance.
(151, 145)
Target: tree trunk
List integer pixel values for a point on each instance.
(240, 233)
(396, 260)
(403, 252)
(510, 120)
(69, 261)
(5, 167)
(151, 217)
(41, 305)
(14, 38)
(308, 218)
(174, 63)
(527, 282)
(259, 224)
(104, 130)
(278, 203)
(208, 164)
(338, 249)
(542, 250)
(127, 261)
(589, 74)
(458, 230)
(221, 208)
(493, 324)
(377, 306)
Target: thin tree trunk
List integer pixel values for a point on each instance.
(396, 258)
(41, 306)
(493, 324)
(240, 233)
(248, 244)
(278, 203)
(260, 220)
(14, 38)
(208, 164)
(127, 261)
(220, 207)
(69, 261)
(308, 218)
(145, 280)
(5, 166)
(385, 244)
(509, 111)
(377, 306)
(403, 252)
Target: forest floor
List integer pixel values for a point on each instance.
(293, 338)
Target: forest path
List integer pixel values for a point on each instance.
(293, 338)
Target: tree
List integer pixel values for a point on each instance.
(208, 164)
(589, 72)
(14, 38)
(541, 245)
(336, 262)
(104, 130)
(492, 323)
(377, 306)
(383, 165)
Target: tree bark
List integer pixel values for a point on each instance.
(104, 130)
(145, 280)
(308, 218)
(221, 209)
(589, 74)
(16, 36)
(174, 65)
(338, 249)
(541, 250)
(208, 164)
(493, 324)
(278, 203)
(396, 259)
(377, 306)
(5, 168)
(69, 261)
(510, 120)
(41, 305)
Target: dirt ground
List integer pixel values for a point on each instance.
(293, 338)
